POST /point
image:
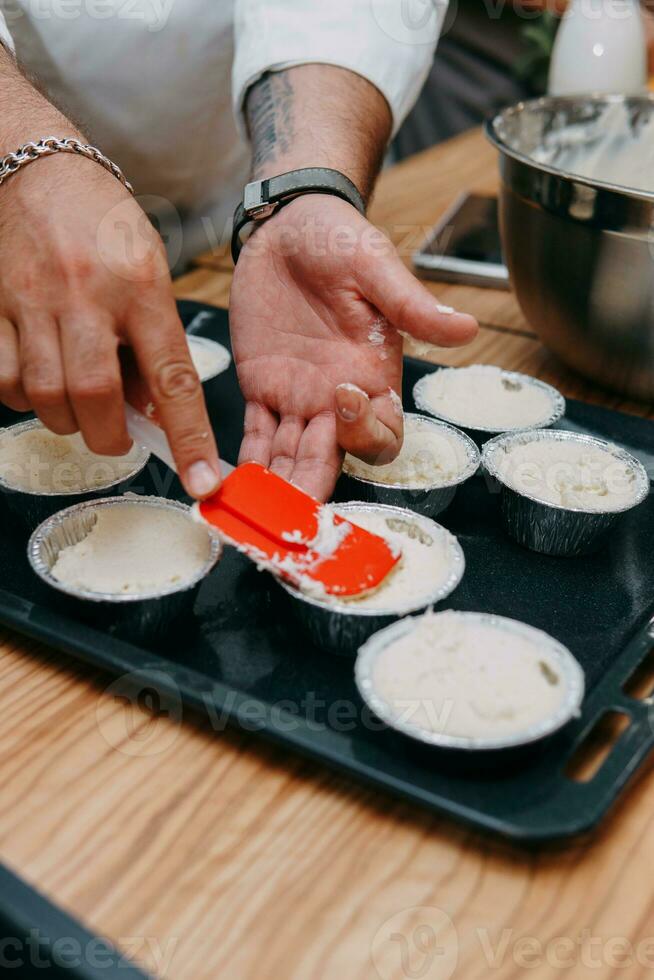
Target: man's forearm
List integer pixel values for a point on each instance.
(318, 116)
(26, 114)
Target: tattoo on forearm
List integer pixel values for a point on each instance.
(270, 118)
(318, 116)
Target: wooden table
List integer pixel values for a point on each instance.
(219, 856)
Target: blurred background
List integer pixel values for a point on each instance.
(492, 53)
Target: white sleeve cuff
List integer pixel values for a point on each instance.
(5, 36)
(377, 39)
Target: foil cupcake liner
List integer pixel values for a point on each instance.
(569, 708)
(33, 507)
(337, 627)
(205, 343)
(481, 434)
(213, 384)
(428, 501)
(553, 529)
(136, 617)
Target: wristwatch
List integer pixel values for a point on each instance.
(261, 198)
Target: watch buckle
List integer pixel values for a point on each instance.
(255, 202)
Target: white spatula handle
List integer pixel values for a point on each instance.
(146, 433)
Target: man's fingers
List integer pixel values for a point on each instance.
(259, 431)
(318, 460)
(11, 388)
(42, 372)
(285, 444)
(90, 350)
(370, 430)
(409, 306)
(163, 357)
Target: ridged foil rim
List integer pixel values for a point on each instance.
(472, 452)
(46, 528)
(211, 344)
(555, 396)
(568, 709)
(561, 435)
(437, 595)
(19, 427)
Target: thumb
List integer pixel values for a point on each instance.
(408, 305)
(369, 428)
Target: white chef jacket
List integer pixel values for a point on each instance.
(153, 82)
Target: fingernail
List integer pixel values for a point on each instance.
(347, 414)
(348, 404)
(201, 479)
(445, 310)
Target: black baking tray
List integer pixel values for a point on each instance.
(39, 939)
(244, 661)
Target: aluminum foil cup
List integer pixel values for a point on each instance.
(504, 748)
(31, 508)
(553, 529)
(338, 627)
(137, 617)
(211, 382)
(222, 355)
(481, 434)
(430, 500)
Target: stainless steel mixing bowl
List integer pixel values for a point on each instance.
(580, 251)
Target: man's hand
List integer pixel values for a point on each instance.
(319, 296)
(83, 271)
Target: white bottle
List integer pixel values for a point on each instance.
(600, 47)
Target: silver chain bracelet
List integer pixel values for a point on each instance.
(32, 151)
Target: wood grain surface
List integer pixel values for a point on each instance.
(209, 855)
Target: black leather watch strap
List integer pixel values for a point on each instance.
(262, 198)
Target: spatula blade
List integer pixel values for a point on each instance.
(286, 530)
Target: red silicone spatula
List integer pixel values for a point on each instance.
(268, 518)
(287, 530)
